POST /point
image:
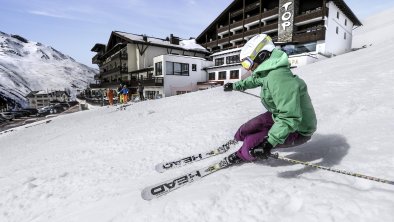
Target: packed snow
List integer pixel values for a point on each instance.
(93, 165)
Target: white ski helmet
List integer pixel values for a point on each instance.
(251, 49)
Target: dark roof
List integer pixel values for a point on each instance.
(31, 94)
(98, 47)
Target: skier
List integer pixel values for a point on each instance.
(110, 95)
(290, 119)
(120, 95)
(140, 89)
(125, 92)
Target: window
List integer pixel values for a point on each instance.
(232, 59)
(219, 62)
(344, 35)
(177, 68)
(234, 74)
(181, 92)
(174, 68)
(169, 68)
(337, 15)
(345, 22)
(337, 30)
(222, 75)
(159, 68)
(211, 76)
(194, 67)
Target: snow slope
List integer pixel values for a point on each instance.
(28, 66)
(92, 165)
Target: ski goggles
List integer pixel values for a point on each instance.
(247, 63)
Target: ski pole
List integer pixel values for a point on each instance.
(250, 94)
(276, 156)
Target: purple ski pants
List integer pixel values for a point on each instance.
(253, 132)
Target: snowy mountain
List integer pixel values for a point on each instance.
(26, 66)
(92, 165)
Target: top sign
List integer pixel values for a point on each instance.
(286, 20)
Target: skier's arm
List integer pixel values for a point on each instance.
(248, 83)
(288, 113)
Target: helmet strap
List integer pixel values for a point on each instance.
(262, 56)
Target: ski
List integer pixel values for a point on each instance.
(164, 166)
(170, 185)
(123, 107)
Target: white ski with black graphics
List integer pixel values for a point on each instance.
(123, 106)
(162, 167)
(170, 185)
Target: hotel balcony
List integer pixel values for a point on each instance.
(309, 35)
(253, 20)
(309, 17)
(240, 36)
(133, 82)
(118, 70)
(97, 58)
(247, 9)
(122, 56)
(155, 81)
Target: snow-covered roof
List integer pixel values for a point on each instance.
(226, 52)
(184, 44)
(42, 92)
(183, 56)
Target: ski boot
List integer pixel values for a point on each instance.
(233, 159)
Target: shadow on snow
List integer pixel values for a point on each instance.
(329, 149)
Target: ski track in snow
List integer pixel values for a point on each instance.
(93, 165)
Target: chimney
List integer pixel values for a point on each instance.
(145, 38)
(174, 40)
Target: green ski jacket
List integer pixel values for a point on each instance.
(284, 95)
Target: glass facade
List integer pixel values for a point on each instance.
(174, 68)
(293, 49)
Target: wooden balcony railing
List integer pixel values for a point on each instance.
(309, 16)
(250, 32)
(247, 9)
(122, 56)
(155, 81)
(309, 36)
(97, 59)
(264, 15)
(118, 70)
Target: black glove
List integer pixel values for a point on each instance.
(228, 86)
(262, 151)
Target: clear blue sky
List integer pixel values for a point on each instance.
(74, 26)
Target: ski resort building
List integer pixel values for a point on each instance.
(226, 68)
(307, 30)
(165, 67)
(173, 69)
(39, 99)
